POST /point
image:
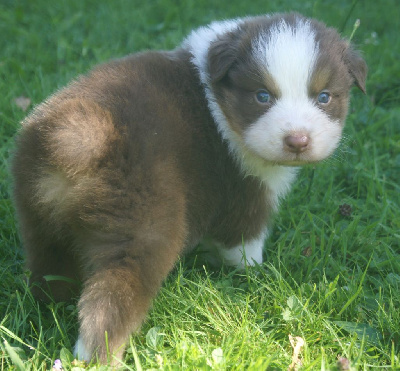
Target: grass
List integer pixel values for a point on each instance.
(332, 279)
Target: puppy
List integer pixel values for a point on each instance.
(130, 166)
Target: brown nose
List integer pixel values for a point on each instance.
(297, 143)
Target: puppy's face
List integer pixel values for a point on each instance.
(282, 85)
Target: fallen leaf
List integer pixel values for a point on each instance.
(307, 251)
(22, 102)
(217, 355)
(343, 364)
(297, 344)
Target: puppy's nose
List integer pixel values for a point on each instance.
(297, 142)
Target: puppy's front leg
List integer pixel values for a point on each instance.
(117, 296)
(246, 253)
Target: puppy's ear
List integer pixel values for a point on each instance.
(222, 55)
(357, 68)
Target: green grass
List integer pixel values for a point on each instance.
(332, 279)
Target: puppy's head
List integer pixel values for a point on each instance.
(278, 86)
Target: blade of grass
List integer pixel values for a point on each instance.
(359, 289)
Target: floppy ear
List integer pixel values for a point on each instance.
(357, 68)
(222, 55)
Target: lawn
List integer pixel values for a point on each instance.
(332, 270)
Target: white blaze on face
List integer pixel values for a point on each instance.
(288, 54)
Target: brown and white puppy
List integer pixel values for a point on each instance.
(130, 166)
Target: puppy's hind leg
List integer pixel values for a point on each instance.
(117, 295)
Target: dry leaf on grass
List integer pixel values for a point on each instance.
(297, 344)
(343, 364)
(22, 102)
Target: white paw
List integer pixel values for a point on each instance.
(250, 253)
(80, 351)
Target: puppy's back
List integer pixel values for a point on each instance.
(118, 128)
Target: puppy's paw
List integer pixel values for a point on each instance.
(249, 253)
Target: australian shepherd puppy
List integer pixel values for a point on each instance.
(133, 164)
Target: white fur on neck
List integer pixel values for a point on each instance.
(199, 41)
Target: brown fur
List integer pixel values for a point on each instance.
(122, 171)
(110, 192)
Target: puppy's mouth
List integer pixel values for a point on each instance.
(296, 162)
(299, 159)
(285, 156)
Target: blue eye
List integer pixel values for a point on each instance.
(263, 96)
(324, 97)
